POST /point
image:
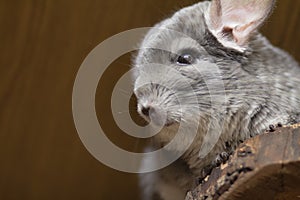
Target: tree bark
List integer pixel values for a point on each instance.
(264, 167)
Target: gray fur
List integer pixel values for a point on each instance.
(262, 87)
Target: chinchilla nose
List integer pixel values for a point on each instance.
(154, 113)
(145, 110)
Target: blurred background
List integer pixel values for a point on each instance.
(43, 43)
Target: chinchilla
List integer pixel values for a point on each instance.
(208, 66)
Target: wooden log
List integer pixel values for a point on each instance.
(264, 167)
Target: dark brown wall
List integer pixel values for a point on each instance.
(43, 43)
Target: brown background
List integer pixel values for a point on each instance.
(43, 43)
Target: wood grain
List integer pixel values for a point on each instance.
(263, 167)
(43, 43)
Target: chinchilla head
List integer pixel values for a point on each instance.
(203, 60)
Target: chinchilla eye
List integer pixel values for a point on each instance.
(185, 59)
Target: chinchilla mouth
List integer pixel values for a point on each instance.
(172, 122)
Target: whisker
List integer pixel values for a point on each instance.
(124, 64)
(125, 92)
(136, 145)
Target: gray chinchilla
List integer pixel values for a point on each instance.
(255, 85)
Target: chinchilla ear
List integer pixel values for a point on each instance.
(233, 21)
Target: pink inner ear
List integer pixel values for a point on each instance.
(239, 24)
(242, 33)
(240, 17)
(233, 21)
(235, 16)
